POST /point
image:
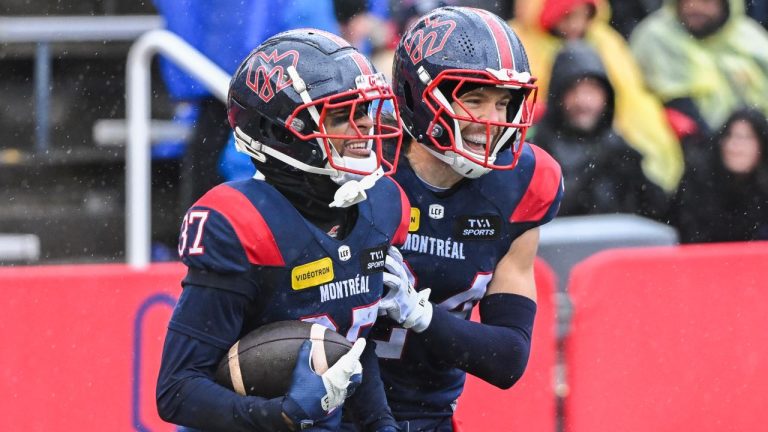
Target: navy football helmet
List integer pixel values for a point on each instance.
(282, 93)
(446, 53)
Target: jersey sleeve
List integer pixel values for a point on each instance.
(541, 199)
(222, 236)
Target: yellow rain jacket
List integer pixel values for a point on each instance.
(640, 116)
(719, 72)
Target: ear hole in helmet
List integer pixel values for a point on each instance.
(408, 96)
(274, 132)
(517, 100)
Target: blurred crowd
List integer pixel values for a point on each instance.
(656, 108)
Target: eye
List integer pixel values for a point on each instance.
(338, 116)
(362, 110)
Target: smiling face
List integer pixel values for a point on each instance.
(484, 103)
(337, 122)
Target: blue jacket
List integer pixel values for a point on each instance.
(227, 30)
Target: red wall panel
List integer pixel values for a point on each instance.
(81, 346)
(670, 339)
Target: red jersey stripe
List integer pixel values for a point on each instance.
(542, 190)
(405, 218)
(249, 225)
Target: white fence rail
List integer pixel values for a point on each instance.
(150, 40)
(138, 191)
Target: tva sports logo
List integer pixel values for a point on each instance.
(428, 40)
(270, 71)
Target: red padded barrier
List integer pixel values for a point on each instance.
(81, 346)
(530, 404)
(670, 339)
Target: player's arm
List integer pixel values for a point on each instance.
(186, 392)
(205, 322)
(208, 319)
(497, 349)
(514, 272)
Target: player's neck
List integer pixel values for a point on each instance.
(431, 169)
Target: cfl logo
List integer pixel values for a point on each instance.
(436, 211)
(345, 253)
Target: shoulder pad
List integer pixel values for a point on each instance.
(224, 232)
(541, 199)
(391, 209)
(405, 218)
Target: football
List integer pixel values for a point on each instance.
(261, 363)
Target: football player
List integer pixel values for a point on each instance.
(478, 193)
(305, 240)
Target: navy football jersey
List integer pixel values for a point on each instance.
(247, 238)
(455, 239)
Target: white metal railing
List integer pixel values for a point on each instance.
(76, 28)
(43, 31)
(138, 192)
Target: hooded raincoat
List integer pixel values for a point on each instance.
(602, 172)
(720, 72)
(640, 116)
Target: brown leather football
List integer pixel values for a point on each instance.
(262, 362)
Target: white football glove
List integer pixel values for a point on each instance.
(341, 379)
(402, 302)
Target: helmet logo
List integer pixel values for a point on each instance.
(428, 40)
(270, 66)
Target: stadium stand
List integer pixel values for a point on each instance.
(67, 71)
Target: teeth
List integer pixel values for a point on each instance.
(475, 143)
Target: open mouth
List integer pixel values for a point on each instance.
(475, 143)
(357, 149)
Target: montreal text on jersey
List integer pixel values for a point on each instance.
(343, 288)
(434, 246)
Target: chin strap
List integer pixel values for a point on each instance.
(353, 191)
(458, 163)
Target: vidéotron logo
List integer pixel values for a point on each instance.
(428, 40)
(270, 66)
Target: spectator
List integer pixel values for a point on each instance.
(625, 14)
(225, 32)
(545, 25)
(704, 58)
(368, 27)
(724, 197)
(602, 172)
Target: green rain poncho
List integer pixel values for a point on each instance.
(719, 73)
